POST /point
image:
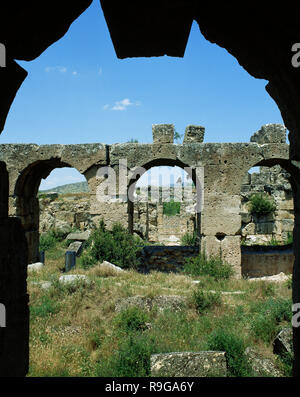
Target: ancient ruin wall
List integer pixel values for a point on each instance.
(221, 166)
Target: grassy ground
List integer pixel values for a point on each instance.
(76, 331)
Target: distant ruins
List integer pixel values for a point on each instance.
(219, 172)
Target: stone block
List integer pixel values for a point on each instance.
(163, 302)
(270, 133)
(35, 266)
(163, 133)
(189, 364)
(83, 236)
(283, 343)
(76, 246)
(194, 134)
(261, 366)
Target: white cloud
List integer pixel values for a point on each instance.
(121, 105)
(100, 71)
(74, 73)
(60, 69)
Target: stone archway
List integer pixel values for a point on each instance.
(26, 203)
(195, 176)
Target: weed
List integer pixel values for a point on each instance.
(171, 208)
(205, 300)
(234, 346)
(132, 319)
(212, 266)
(189, 239)
(261, 204)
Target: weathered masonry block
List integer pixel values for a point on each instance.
(194, 133)
(163, 133)
(270, 133)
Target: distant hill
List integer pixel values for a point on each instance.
(79, 187)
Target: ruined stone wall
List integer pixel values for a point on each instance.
(274, 182)
(217, 170)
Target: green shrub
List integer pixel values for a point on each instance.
(171, 208)
(234, 346)
(261, 204)
(87, 260)
(212, 266)
(267, 315)
(189, 239)
(117, 246)
(205, 300)
(131, 360)
(132, 319)
(47, 241)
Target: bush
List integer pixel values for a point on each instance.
(47, 241)
(132, 358)
(212, 266)
(267, 315)
(189, 239)
(261, 204)
(234, 346)
(171, 208)
(205, 300)
(132, 319)
(117, 246)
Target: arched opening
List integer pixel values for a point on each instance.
(267, 218)
(27, 204)
(164, 207)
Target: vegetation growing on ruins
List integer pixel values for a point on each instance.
(171, 208)
(49, 239)
(189, 239)
(77, 332)
(261, 204)
(212, 266)
(116, 245)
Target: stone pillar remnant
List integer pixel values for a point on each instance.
(194, 133)
(163, 133)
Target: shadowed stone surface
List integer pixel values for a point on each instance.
(283, 343)
(189, 364)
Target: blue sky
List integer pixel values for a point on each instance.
(78, 91)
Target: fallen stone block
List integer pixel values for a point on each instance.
(162, 302)
(277, 278)
(283, 343)
(261, 366)
(82, 236)
(35, 266)
(73, 279)
(189, 364)
(110, 266)
(76, 246)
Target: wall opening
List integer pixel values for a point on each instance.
(41, 211)
(267, 215)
